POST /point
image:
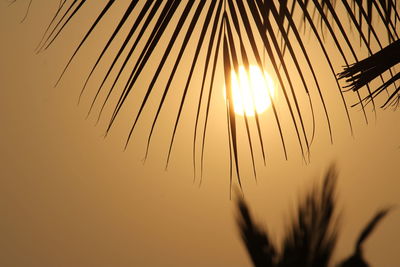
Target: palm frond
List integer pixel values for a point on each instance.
(363, 72)
(266, 33)
(310, 237)
(259, 246)
(357, 258)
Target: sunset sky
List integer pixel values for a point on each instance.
(70, 197)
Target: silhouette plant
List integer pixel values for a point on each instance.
(361, 73)
(311, 238)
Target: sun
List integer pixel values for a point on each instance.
(251, 91)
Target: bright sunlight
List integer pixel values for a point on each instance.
(252, 91)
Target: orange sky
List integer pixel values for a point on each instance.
(69, 197)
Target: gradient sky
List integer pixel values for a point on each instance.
(69, 197)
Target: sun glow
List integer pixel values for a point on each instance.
(251, 91)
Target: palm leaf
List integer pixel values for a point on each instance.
(357, 259)
(363, 72)
(258, 244)
(311, 235)
(311, 238)
(232, 33)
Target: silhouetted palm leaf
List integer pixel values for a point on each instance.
(310, 239)
(259, 247)
(357, 258)
(363, 72)
(231, 33)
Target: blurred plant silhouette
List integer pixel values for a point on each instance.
(311, 238)
(201, 42)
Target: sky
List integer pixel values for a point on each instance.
(70, 197)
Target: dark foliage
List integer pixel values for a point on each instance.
(310, 239)
(363, 72)
(203, 41)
